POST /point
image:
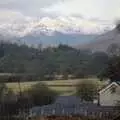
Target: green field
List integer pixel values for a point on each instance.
(54, 85)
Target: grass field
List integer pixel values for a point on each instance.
(54, 85)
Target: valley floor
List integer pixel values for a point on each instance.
(63, 87)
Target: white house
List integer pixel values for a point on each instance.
(110, 95)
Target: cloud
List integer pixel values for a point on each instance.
(11, 10)
(20, 17)
(28, 10)
(26, 7)
(10, 16)
(103, 9)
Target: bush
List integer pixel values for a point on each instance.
(40, 94)
(87, 90)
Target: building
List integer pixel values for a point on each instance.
(110, 95)
(70, 105)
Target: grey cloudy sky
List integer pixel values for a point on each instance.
(25, 7)
(102, 9)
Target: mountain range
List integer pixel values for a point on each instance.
(102, 42)
(74, 31)
(52, 31)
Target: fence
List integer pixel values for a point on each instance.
(12, 111)
(107, 113)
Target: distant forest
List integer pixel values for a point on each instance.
(51, 61)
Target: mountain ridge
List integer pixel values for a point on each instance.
(51, 31)
(47, 25)
(102, 42)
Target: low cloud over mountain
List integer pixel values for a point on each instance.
(102, 42)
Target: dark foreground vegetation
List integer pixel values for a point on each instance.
(70, 117)
(18, 105)
(59, 118)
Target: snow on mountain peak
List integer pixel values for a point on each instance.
(48, 26)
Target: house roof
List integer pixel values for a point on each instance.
(79, 109)
(109, 86)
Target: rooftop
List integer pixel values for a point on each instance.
(69, 105)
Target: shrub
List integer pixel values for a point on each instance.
(87, 90)
(40, 94)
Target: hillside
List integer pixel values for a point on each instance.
(102, 42)
(57, 38)
(61, 60)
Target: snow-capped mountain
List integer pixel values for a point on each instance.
(41, 29)
(48, 26)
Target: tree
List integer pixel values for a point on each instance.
(40, 47)
(3, 90)
(87, 90)
(118, 25)
(113, 50)
(20, 69)
(113, 70)
(80, 73)
(102, 75)
(97, 63)
(61, 60)
(40, 94)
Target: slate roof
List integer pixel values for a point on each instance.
(69, 105)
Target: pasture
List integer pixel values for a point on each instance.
(64, 87)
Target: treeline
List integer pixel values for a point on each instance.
(46, 63)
